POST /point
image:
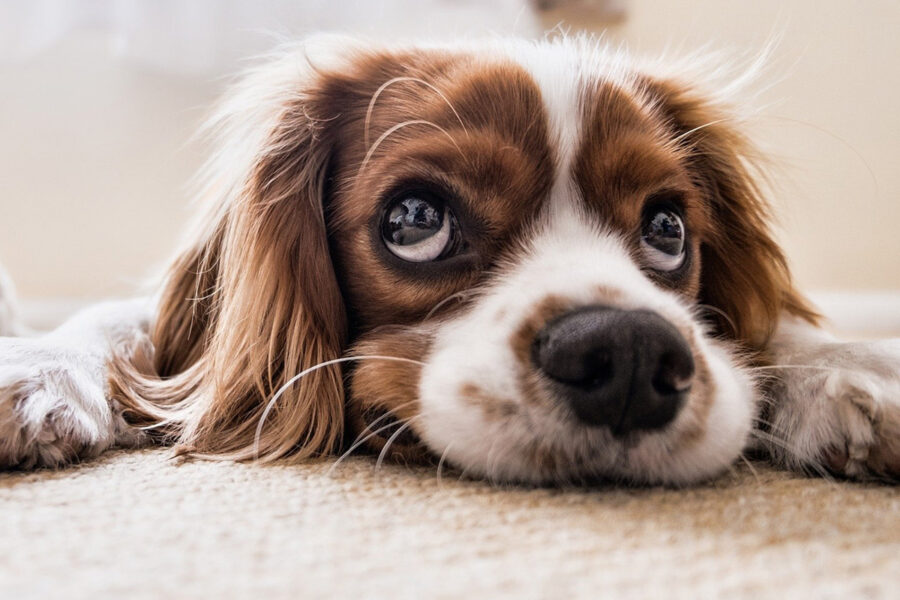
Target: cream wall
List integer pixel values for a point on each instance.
(94, 154)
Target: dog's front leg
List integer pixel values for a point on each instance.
(54, 406)
(832, 406)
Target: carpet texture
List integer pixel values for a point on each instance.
(138, 525)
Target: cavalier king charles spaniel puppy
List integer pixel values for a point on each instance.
(537, 262)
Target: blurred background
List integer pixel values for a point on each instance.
(99, 99)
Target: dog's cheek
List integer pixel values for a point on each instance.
(383, 397)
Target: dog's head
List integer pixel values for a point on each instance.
(549, 255)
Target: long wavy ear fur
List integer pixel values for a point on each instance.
(254, 300)
(744, 272)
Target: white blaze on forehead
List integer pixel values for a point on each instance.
(559, 75)
(559, 79)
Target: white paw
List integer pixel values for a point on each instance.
(837, 408)
(53, 408)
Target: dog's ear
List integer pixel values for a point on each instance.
(744, 273)
(254, 301)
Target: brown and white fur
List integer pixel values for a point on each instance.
(548, 154)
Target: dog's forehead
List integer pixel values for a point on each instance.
(562, 78)
(562, 105)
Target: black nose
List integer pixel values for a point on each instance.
(624, 369)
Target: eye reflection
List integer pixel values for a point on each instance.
(418, 228)
(663, 239)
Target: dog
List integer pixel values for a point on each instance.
(536, 262)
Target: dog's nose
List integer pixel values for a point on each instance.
(625, 369)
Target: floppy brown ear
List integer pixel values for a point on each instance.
(743, 270)
(254, 301)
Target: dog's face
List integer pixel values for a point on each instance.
(529, 228)
(564, 251)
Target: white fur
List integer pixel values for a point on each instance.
(53, 389)
(831, 397)
(573, 259)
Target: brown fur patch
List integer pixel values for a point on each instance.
(493, 407)
(491, 154)
(386, 386)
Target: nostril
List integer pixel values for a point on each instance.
(589, 372)
(599, 370)
(570, 360)
(674, 373)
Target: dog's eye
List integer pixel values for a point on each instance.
(418, 228)
(662, 239)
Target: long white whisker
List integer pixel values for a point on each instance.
(360, 442)
(833, 135)
(722, 313)
(366, 434)
(443, 302)
(390, 441)
(390, 82)
(396, 127)
(304, 373)
(750, 466)
(440, 466)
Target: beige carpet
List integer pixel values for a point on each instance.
(137, 525)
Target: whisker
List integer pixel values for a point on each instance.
(751, 467)
(762, 421)
(390, 82)
(366, 434)
(461, 294)
(721, 313)
(397, 127)
(360, 442)
(271, 404)
(772, 439)
(391, 440)
(491, 462)
(440, 466)
(859, 155)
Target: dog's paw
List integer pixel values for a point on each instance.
(837, 408)
(53, 407)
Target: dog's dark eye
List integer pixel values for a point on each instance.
(419, 228)
(662, 239)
